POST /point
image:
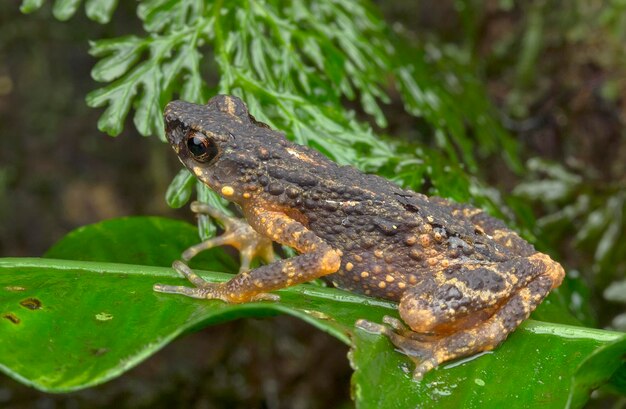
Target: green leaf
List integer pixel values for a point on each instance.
(97, 10)
(117, 56)
(618, 380)
(118, 96)
(273, 56)
(539, 365)
(85, 306)
(145, 85)
(29, 6)
(158, 15)
(65, 9)
(185, 68)
(100, 10)
(148, 117)
(152, 241)
(180, 189)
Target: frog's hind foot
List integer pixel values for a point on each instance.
(237, 233)
(421, 353)
(205, 290)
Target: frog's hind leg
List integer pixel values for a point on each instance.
(460, 296)
(496, 229)
(442, 336)
(484, 337)
(237, 233)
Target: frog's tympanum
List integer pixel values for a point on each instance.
(463, 281)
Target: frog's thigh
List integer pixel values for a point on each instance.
(459, 297)
(495, 228)
(318, 258)
(483, 337)
(490, 333)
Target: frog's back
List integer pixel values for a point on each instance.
(348, 208)
(390, 237)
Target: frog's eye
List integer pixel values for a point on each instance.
(202, 148)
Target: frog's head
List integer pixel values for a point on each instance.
(214, 141)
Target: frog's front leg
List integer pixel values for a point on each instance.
(317, 259)
(468, 311)
(237, 233)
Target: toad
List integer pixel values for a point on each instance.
(462, 280)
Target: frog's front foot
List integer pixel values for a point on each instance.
(237, 233)
(420, 352)
(206, 290)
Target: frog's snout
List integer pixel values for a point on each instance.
(173, 117)
(174, 111)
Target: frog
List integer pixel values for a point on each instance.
(461, 279)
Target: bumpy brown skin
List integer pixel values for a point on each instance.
(462, 279)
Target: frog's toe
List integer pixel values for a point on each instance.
(393, 328)
(202, 289)
(184, 270)
(193, 292)
(421, 353)
(418, 351)
(396, 324)
(372, 327)
(423, 367)
(265, 297)
(190, 253)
